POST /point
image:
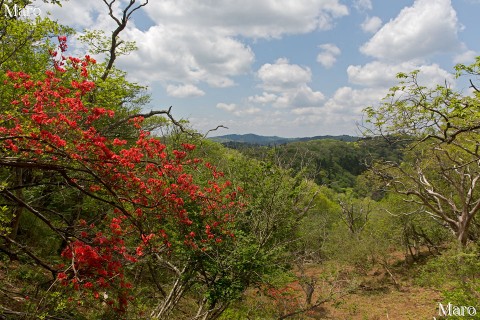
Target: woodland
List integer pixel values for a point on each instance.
(111, 212)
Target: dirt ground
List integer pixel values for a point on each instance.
(408, 303)
(378, 294)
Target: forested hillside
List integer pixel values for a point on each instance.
(333, 163)
(111, 212)
(253, 139)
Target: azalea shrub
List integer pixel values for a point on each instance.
(151, 200)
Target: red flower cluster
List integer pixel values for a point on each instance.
(98, 267)
(57, 55)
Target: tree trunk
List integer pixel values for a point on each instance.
(17, 212)
(462, 237)
(163, 310)
(463, 225)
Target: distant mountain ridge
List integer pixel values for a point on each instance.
(255, 139)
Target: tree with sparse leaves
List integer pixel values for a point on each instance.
(441, 166)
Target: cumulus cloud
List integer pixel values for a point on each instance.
(266, 123)
(465, 57)
(382, 74)
(427, 27)
(247, 111)
(80, 14)
(184, 91)
(194, 41)
(308, 111)
(238, 111)
(227, 107)
(371, 24)
(282, 75)
(201, 41)
(362, 5)
(304, 96)
(350, 100)
(403, 45)
(328, 55)
(187, 56)
(344, 109)
(250, 18)
(265, 98)
(286, 85)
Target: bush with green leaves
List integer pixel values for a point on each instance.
(456, 273)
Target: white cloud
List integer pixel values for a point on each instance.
(328, 56)
(404, 44)
(371, 24)
(247, 111)
(188, 56)
(308, 111)
(282, 76)
(227, 107)
(238, 111)
(250, 18)
(344, 109)
(465, 57)
(347, 99)
(199, 41)
(265, 98)
(81, 14)
(381, 74)
(267, 123)
(184, 91)
(193, 41)
(427, 27)
(302, 97)
(362, 5)
(286, 86)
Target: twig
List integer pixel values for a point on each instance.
(473, 86)
(218, 127)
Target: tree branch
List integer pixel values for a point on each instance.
(148, 115)
(32, 255)
(218, 127)
(473, 86)
(122, 23)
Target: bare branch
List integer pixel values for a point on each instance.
(32, 255)
(147, 115)
(473, 86)
(122, 23)
(218, 127)
(37, 213)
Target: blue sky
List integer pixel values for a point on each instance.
(284, 67)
